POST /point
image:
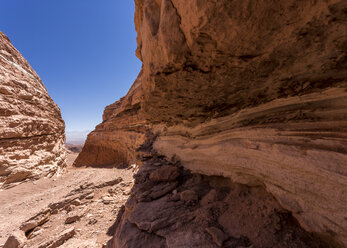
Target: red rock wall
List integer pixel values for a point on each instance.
(32, 132)
(114, 141)
(251, 90)
(268, 81)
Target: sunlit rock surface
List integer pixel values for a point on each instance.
(254, 91)
(114, 141)
(31, 128)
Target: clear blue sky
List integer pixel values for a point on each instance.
(83, 50)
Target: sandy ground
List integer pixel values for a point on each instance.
(95, 212)
(71, 158)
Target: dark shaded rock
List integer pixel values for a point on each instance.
(218, 235)
(16, 240)
(166, 173)
(188, 196)
(230, 215)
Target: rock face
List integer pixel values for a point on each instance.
(191, 210)
(114, 141)
(255, 91)
(31, 128)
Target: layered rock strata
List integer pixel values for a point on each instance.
(303, 163)
(32, 132)
(170, 207)
(114, 141)
(254, 91)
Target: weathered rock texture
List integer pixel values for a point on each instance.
(251, 90)
(170, 207)
(114, 141)
(31, 128)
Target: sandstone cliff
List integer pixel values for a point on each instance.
(114, 141)
(255, 91)
(32, 132)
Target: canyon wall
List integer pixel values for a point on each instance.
(255, 91)
(267, 80)
(32, 132)
(114, 141)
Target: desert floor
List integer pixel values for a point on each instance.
(78, 207)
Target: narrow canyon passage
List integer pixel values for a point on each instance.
(160, 205)
(233, 134)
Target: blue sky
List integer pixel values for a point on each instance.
(83, 50)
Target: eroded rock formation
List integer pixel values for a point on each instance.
(31, 128)
(114, 141)
(255, 91)
(171, 207)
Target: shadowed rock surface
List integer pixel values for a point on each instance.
(192, 210)
(31, 128)
(254, 91)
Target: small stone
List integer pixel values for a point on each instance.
(37, 221)
(59, 239)
(90, 196)
(76, 202)
(55, 211)
(107, 200)
(28, 226)
(110, 183)
(92, 221)
(111, 191)
(75, 216)
(16, 240)
(72, 219)
(69, 208)
(85, 185)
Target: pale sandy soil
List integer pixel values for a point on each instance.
(71, 158)
(20, 203)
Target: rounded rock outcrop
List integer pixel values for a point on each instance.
(32, 131)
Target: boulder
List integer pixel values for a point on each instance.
(16, 240)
